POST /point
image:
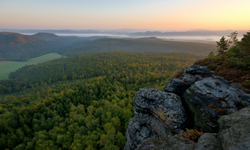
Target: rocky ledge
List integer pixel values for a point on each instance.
(193, 98)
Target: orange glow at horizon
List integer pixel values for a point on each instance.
(213, 15)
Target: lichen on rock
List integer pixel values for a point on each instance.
(158, 115)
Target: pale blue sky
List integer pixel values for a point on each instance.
(117, 14)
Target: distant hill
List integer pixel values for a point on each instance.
(189, 33)
(151, 44)
(19, 47)
(46, 36)
(14, 46)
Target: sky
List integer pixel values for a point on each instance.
(125, 14)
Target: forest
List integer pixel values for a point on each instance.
(84, 101)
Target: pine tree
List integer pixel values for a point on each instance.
(245, 44)
(222, 45)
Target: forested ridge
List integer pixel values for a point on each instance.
(150, 44)
(19, 47)
(80, 102)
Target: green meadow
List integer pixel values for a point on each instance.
(10, 66)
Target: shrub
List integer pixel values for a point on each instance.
(221, 111)
(192, 134)
(212, 67)
(213, 106)
(217, 83)
(179, 74)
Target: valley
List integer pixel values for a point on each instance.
(10, 66)
(86, 100)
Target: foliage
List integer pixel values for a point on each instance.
(245, 46)
(191, 134)
(87, 65)
(222, 45)
(233, 41)
(80, 102)
(217, 108)
(233, 65)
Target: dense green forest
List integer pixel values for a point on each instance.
(80, 102)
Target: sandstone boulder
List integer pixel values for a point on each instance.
(235, 130)
(158, 115)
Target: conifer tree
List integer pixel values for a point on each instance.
(222, 45)
(245, 44)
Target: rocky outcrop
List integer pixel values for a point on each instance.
(206, 120)
(184, 79)
(220, 96)
(205, 98)
(207, 141)
(235, 130)
(158, 115)
(172, 143)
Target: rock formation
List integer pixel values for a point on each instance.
(194, 96)
(184, 79)
(207, 141)
(235, 130)
(158, 114)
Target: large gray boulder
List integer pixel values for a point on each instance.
(207, 141)
(212, 105)
(172, 143)
(158, 115)
(184, 79)
(219, 95)
(235, 130)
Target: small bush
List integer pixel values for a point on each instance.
(192, 134)
(203, 75)
(213, 106)
(212, 67)
(222, 98)
(221, 111)
(179, 75)
(203, 62)
(155, 141)
(217, 83)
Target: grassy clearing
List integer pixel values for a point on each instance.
(10, 66)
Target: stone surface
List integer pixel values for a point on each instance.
(235, 130)
(158, 115)
(206, 120)
(144, 126)
(207, 141)
(172, 143)
(146, 144)
(212, 105)
(180, 84)
(213, 91)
